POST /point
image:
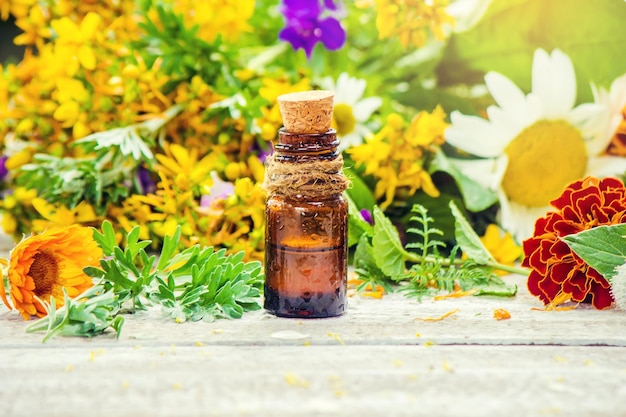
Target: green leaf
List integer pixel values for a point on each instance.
(475, 196)
(367, 269)
(364, 261)
(89, 314)
(427, 235)
(170, 244)
(603, 247)
(590, 32)
(467, 239)
(106, 240)
(359, 192)
(388, 250)
(497, 291)
(357, 226)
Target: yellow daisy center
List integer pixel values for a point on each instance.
(543, 159)
(44, 271)
(343, 119)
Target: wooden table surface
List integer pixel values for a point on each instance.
(380, 358)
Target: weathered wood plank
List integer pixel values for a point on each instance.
(378, 359)
(313, 380)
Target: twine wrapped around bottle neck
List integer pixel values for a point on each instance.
(319, 178)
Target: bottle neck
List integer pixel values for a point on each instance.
(305, 165)
(306, 146)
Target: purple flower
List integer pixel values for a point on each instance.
(146, 182)
(330, 4)
(3, 168)
(219, 191)
(305, 25)
(262, 150)
(367, 216)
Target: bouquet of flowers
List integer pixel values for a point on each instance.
(460, 122)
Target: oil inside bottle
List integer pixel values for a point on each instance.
(305, 282)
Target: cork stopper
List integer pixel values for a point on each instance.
(307, 111)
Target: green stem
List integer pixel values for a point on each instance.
(411, 257)
(508, 268)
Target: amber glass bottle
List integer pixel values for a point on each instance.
(306, 229)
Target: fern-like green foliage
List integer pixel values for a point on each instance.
(197, 283)
(426, 243)
(381, 258)
(431, 272)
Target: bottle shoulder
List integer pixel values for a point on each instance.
(314, 201)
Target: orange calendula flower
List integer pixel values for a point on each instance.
(41, 266)
(558, 274)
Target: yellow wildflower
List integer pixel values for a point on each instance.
(59, 215)
(372, 153)
(78, 38)
(183, 166)
(9, 224)
(272, 88)
(396, 154)
(33, 26)
(427, 128)
(228, 18)
(18, 8)
(71, 89)
(502, 246)
(24, 195)
(410, 20)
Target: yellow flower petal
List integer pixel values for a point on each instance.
(87, 57)
(57, 214)
(18, 159)
(182, 156)
(67, 113)
(89, 25)
(65, 27)
(71, 89)
(84, 213)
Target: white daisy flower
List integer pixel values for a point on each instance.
(618, 287)
(467, 13)
(533, 145)
(614, 119)
(351, 111)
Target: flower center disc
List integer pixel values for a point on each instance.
(44, 271)
(543, 159)
(343, 119)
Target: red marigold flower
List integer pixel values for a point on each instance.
(556, 269)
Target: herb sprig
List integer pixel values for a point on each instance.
(381, 258)
(112, 157)
(197, 283)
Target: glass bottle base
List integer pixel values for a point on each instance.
(307, 305)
